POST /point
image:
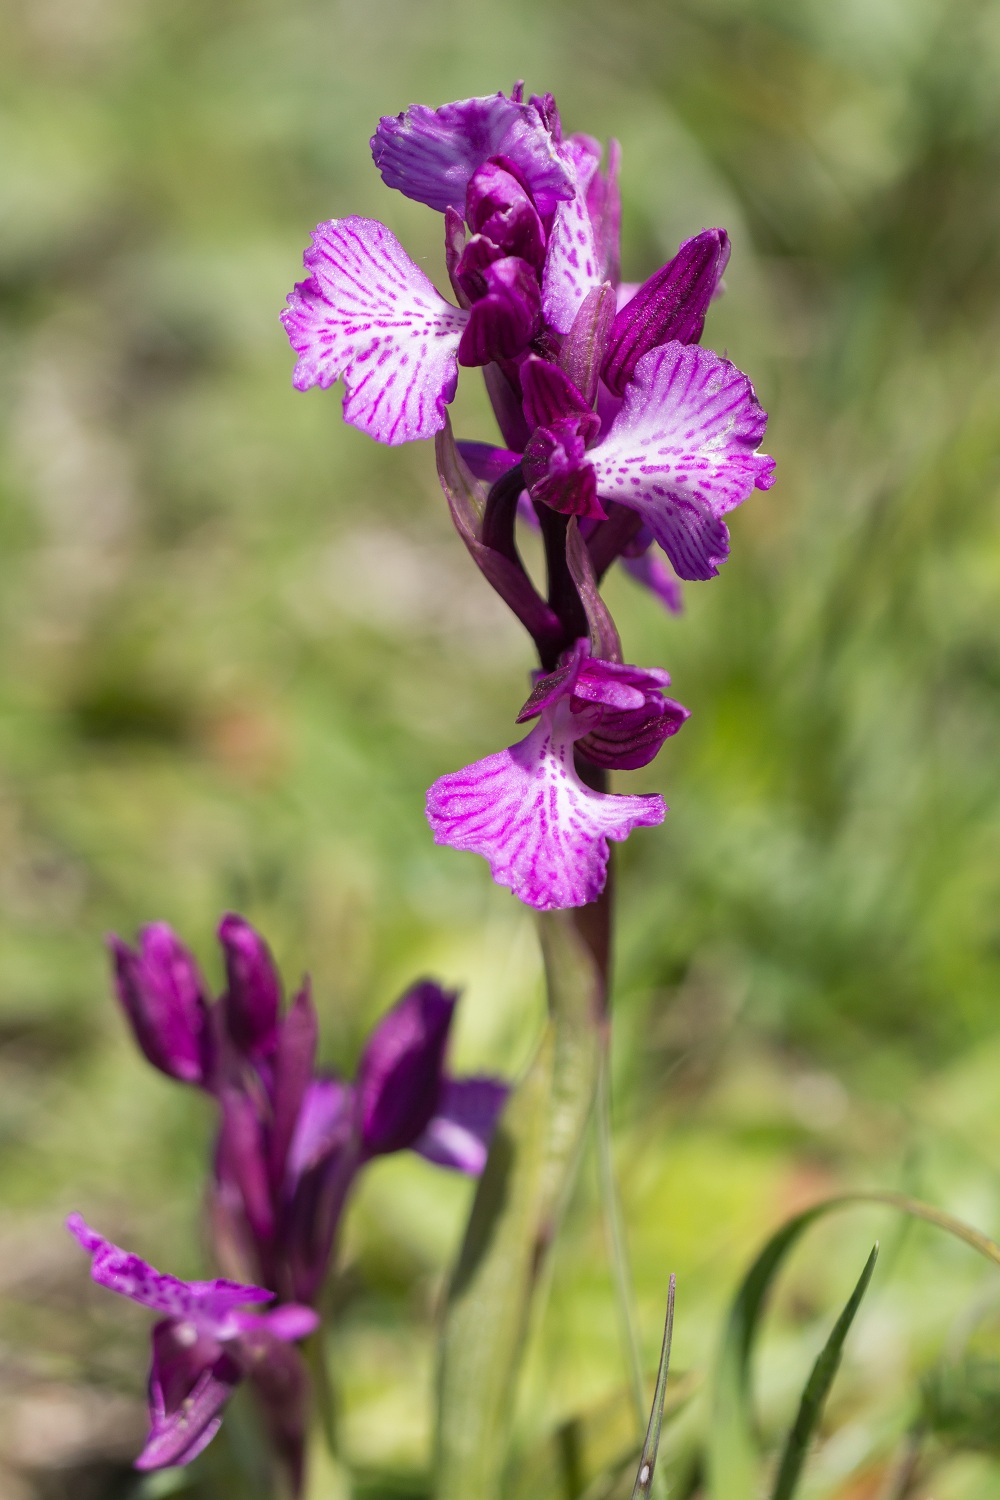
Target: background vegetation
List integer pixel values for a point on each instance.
(238, 640)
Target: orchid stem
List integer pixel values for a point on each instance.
(617, 1248)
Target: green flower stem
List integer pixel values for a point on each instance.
(517, 1209)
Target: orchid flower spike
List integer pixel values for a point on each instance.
(204, 1344)
(526, 810)
(292, 1137)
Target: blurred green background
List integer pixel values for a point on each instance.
(238, 640)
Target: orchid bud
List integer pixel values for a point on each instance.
(253, 995)
(164, 997)
(399, 1078)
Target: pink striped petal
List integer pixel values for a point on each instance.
(368, 314)
(681, 452)
(526, 811)
(573, 263)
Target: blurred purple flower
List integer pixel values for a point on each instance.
(203, 1346)
(293, 1138)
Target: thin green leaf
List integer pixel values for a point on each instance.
(647, 1463)
(732, 1449)
(605, 1446)
(818, 1388)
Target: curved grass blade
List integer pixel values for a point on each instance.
(732, 1449)
(818, 1388)
(647, 1463)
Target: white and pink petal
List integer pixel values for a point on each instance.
(573, 262)
(544, 833)
(368, 315)
(681, 452)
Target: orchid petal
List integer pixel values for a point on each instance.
(604, 204)
(486, 462)
(526, 811)
(681, 452)
(505, 318)
(287, 1323)
(671, 305)
(323, 1124)
(253, 994)
(549, 393)
(573, 265)
(557, 469)
(367, 313)
(208, 1305)
(242, 1160)
(400, 1074)
(165, 999)
(431, 154)
(294, 1061)
(498, 207)
(459, 1134)
(189, 1384)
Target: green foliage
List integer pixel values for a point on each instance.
(816, 1390)
(961, 1403)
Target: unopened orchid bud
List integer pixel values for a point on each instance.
(252, 1001)
(164, 997)
(400, 1074)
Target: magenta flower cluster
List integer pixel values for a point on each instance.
(291, 1140)
(619, 435)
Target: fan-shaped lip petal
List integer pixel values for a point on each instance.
(371, 316)
(681, 452)
(525, 810)
(430, 154)
(210, 1306)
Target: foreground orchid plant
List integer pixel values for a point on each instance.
(620, 439)
(619, 433)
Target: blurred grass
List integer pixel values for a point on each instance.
(237, 641)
